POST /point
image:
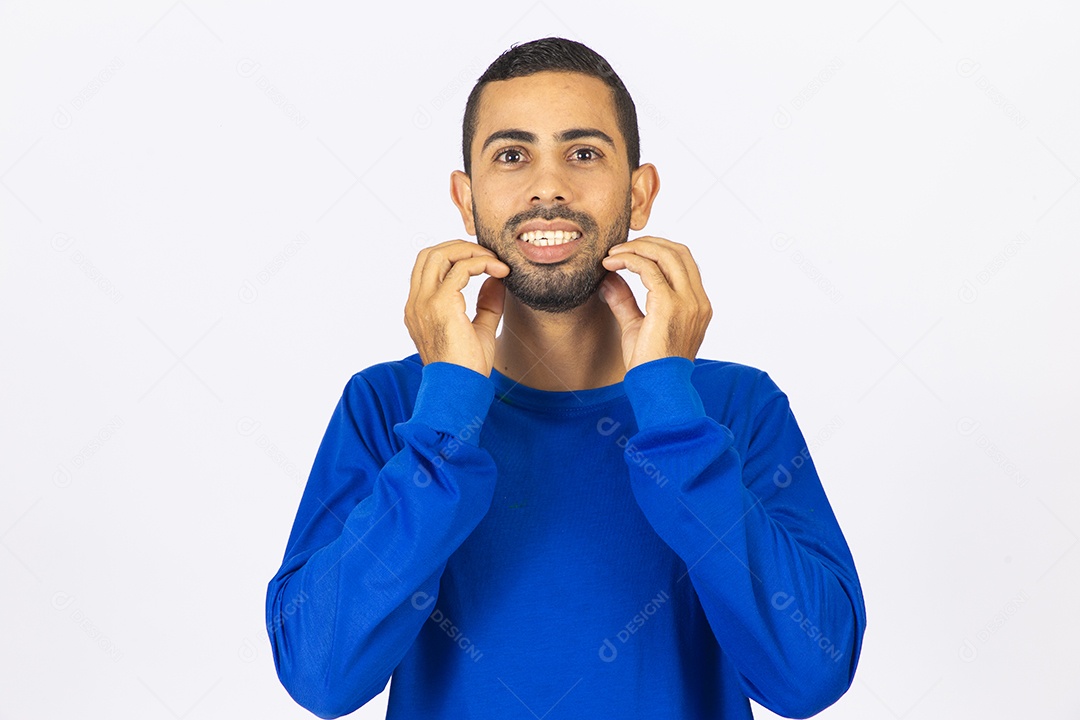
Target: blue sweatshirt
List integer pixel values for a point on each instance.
(657, 548)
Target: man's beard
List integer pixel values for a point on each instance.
(562, 286)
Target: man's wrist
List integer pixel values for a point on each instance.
(660, 392)
(453, 399)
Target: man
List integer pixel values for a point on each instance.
(577, 518)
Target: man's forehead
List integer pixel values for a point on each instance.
(547, 101)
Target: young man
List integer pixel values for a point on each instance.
(576, 518)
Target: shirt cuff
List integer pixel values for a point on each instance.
(661, 393)
(453, 399)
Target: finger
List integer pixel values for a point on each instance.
(489, 304)
(652, 277)
(440, 261)
(672, 258)
(422, 256)
(423, 259)
(693, 271)
(691, 283)
(620, 299)
(462, 271)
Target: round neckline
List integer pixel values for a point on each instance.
(510, 392)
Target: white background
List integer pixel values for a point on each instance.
(209, 216)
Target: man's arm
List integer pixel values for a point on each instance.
(760, 541)
(765, 553)
(370, 541)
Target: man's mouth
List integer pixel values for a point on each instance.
(545, 238)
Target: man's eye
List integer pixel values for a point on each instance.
(509, 156)
(585, 154)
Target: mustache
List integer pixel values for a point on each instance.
(581, 219)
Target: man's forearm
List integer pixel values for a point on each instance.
(359, 579)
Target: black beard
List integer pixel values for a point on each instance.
(565, 285)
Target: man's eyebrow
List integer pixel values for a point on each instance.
(512, 134)
(579, 133)
(565, 136)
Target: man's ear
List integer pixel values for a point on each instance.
(644, 184)
(461, 194)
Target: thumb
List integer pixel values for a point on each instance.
(489, 304)
(615, 291)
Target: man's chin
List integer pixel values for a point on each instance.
(553, 308)
(551, 301)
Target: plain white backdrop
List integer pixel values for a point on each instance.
(209, 215)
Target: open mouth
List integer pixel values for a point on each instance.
(547, 238)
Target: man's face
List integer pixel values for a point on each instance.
(548, 156)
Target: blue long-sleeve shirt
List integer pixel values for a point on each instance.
(657, 548)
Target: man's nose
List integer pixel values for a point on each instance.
(549, 185)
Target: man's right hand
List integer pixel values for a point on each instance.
(435, 311)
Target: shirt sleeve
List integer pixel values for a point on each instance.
(371, 540)
(764, 551)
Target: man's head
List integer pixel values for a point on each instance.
(550, 144)
(553, 55)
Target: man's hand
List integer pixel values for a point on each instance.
(677, 310)
(435, 311)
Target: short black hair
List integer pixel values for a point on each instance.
(558, 55)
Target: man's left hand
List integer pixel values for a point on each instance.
(677, 310)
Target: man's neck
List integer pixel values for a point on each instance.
(575, 350)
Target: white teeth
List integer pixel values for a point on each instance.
(545, 238)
